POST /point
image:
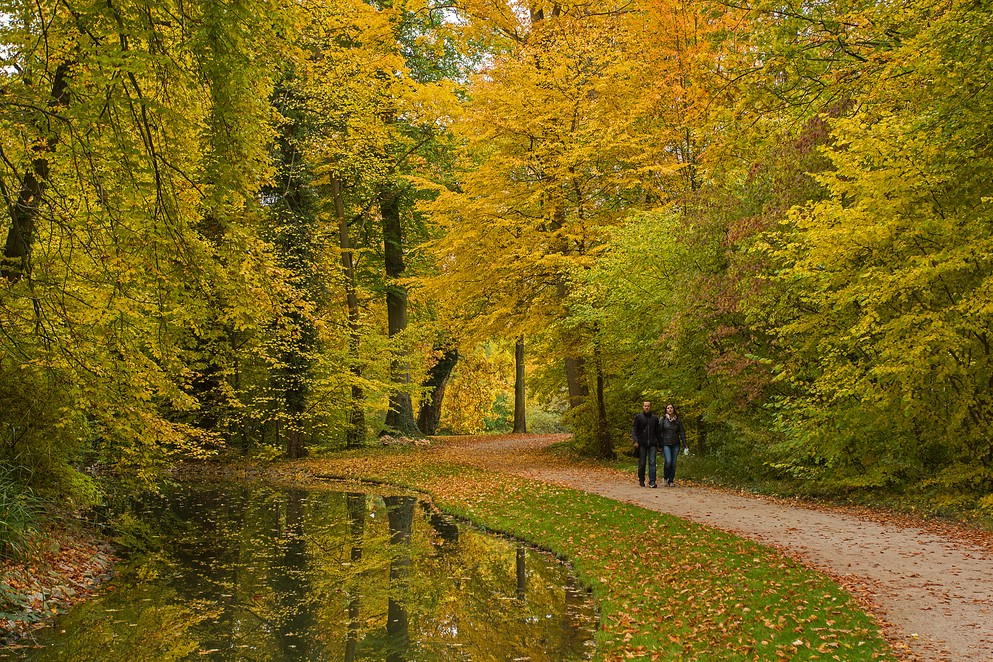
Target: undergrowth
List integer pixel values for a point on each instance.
(18, 515)
(919, 501)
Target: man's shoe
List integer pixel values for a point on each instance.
(653, 485)
(641, 484)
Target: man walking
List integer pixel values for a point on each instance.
(645, 435)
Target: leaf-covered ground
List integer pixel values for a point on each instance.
(62, 568)
(666, 589)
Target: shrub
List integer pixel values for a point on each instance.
(18, 514)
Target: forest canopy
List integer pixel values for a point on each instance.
(267, 228)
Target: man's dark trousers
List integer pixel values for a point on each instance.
(646, 455)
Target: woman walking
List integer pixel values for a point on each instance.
(673, 438)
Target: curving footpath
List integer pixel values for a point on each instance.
(932, 594)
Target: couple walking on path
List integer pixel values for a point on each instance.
(649, 432)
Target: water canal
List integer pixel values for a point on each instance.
(236, 572)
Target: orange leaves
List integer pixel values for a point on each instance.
(51, 580)
(555, 158)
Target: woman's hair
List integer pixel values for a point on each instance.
(675, 412)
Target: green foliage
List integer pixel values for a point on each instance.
(886, 346)
(776, 216)
(542, 419)
(816, 301)
(18, 514)
(140, 257)
(46, 436)
(582, 421)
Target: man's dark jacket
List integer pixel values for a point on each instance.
(645, 431)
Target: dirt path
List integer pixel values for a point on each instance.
(933, 595)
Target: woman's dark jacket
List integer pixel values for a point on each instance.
(646, 430)
(673, 433)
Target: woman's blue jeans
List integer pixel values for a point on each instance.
(669, 455)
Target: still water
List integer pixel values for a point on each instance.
(234, 572)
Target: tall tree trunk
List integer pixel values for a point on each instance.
(295, 400)
(294, 382)
(212, 342)
(355, 434)
(294, 238)
(400, 416)
(520, 414)
(430, 414)
(701, 428)
(606, 445)
(206, 385)
(24, 209)
(575, 375)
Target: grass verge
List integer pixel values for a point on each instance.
(666, 589)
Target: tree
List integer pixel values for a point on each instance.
(293, 205)
(520, 411)
(888, 327)
(548, 131)
(429, 415)
(355, 432)
(379, 103)
(111, 160)
(400, 412)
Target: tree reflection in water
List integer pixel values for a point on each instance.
(355, 503)
(238, 573)
(401, 517)
(522, 576)
(290, 583)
